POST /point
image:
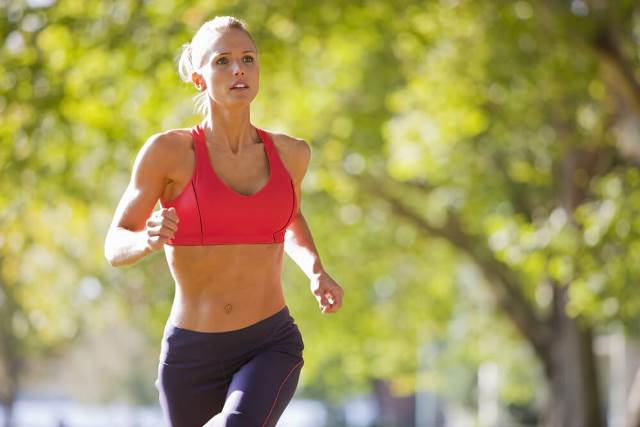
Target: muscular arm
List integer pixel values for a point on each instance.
(299, 243)
(127, 240)
(301, 249)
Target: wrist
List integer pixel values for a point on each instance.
(144, 243)
(316, 273)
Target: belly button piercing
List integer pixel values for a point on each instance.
(228, 308)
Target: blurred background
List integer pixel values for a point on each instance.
(473, 186)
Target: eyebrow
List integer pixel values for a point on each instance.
(228, 53)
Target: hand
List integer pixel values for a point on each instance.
(161, 226)
(327, 292)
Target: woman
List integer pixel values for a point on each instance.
(231, 353)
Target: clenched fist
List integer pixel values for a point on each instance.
(328, 293)
(161, 226)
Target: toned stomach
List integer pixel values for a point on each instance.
(222, 288)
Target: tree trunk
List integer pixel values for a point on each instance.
(8, 413)
(393, 410)
(574, 393)
(9, 390)
(562, 344)
(11, 366)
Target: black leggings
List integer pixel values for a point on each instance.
(246, 377)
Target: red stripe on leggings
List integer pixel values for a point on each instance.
(278, 394)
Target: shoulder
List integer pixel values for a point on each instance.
(294, 149)
(166, 146)
(294, 152)
(167, 141)
(163, 153)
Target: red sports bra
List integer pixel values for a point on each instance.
(211, 213)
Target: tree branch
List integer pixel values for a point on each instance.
(501, 279)
(607, 45)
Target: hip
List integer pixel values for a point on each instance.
(185, 347)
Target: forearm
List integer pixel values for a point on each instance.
(301, 249)
(123, 247)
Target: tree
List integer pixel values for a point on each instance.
(444, 134)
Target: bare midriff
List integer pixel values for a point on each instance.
(225, 287)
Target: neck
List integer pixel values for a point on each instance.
(230, 126)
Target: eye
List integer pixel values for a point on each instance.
(248, 58)
(222, 60)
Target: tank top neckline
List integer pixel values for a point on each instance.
(266, 141)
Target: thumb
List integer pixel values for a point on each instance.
(324, 300)
(173, 214)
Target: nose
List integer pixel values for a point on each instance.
(238, 70)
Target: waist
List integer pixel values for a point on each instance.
(181, 346)
(225, 287)
(225, 306)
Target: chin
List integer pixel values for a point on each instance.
(241, 100)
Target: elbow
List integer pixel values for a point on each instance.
(113, 261)
(109, 253)
(109, 257)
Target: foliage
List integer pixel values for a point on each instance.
(456, 107)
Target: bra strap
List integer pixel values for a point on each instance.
(200, 147)
(272, 152)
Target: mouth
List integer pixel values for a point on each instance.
(239, 86)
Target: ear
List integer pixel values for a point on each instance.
(198, 81)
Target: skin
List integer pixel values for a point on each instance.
(218, 287)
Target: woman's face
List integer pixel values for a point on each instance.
(230, 61)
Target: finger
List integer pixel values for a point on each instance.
(162, 223)
(159, 240)
(171, 214)
(320, 293)
(160, 232)
(155, 242)
(335, 305)
(339, 298)
(324, 301)
(170, 224)
(330, 296)
(331, 299)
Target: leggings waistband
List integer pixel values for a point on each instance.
(180, 339)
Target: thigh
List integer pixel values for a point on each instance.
(189, 397)
(260, 391)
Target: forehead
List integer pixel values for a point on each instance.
(230, 40)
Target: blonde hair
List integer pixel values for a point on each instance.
(190, 58)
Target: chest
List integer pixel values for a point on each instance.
(244, 173)
(247, 197)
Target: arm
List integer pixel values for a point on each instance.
(301, 249)
(133, 234)
(299, 243)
